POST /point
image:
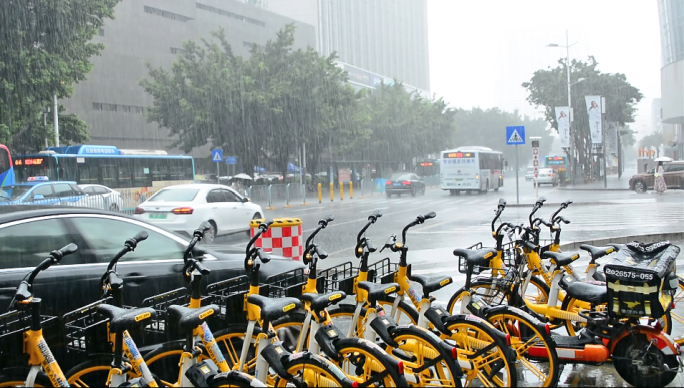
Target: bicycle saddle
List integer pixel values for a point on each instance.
(320, 302)
(586, 292)
(125, 319)
(560, 259)
(476, 257)
(431, 284)
(377, 292)
(272, 309)
(188, 319)
(597, 252)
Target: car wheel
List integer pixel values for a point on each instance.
(423, 193)
(413, 192)
(256, 216)
(640, 187)
(210, 235)
(389, 195)
(114, 207)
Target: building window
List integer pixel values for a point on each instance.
(118, 108)
(230, 14)
(166, 14)
(178, 51)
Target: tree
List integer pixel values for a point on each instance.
(46, 48)
(548, 88)
(487, 128)
(260, 109)
(654, 140)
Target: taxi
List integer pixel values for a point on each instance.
(41, 191)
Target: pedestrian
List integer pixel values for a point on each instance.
(660, 185)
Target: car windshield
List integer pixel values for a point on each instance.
(13, 192)
(401, 177)
(175, 195)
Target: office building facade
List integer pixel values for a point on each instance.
(382, 37)
(111, 101)
(671, 14)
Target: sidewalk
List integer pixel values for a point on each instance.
(611, 184)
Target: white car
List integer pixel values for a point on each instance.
(547, 176)
(182, 208)
(102, 197)
(529, 174)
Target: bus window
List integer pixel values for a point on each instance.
(141, 172)
(89, 173)
(109, 174)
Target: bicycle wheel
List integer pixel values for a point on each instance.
(524, 335)
(477, 343)
(493, 293)
(16, 377)
(418, 348)
(93, 373)
(236, 379)
(364, 361)
(342, 315)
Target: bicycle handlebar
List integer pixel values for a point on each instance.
(499, 209)
(23, 292)
(257, 253)
(419, 220)
(322, 224)
(129, 246)
(537, 205)
(373, 218)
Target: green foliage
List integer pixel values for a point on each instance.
(548, 89)
(487, 128)
(654, 140)
(46, 48)
(263, 108)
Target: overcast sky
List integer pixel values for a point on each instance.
(481, 51)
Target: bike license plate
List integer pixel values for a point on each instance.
(158, 216)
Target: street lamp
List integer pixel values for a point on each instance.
(567, 67)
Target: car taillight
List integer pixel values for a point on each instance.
(551, 175)
(139, 210)
(388, 183)
(182, 210)
(406, 183)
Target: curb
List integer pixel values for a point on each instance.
(598, 189)
(558, 204)
(645, 238)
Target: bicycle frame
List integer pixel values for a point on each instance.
(40, 355)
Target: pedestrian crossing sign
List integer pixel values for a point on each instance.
(515, 135)
(217, 155)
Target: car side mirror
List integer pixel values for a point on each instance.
(38, 197)
(245, 199)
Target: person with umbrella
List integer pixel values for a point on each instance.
(660, 185)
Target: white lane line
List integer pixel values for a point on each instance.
(370, 209)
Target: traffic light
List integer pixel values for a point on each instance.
(535, 143)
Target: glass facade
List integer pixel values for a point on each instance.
(671, 13)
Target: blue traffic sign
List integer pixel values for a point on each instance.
(216, 155)
(231, 159)
(515, 135)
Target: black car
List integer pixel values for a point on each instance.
(27, 234)
(405, 183)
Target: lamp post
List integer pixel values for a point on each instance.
(567, 67)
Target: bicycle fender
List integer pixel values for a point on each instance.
(445, 350)
(327, 337)
(658, 338)
(201, 373)
(539, 325)
(383, 327)
(467, 317)
(435, 315)
(276, 355)
(370, 346)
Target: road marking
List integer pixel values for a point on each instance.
(372, 209)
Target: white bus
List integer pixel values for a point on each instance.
(472, 169)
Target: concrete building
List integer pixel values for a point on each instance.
(383, 37)
(671, 13)
(112, 102)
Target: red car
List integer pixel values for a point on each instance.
(674, 178)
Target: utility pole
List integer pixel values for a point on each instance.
(55, 116)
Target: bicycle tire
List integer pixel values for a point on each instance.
(16, 377)
(95, 371)
(347, 310)
(468, 330)
(484, 284)
(326, 374)
(506, 319)
(236, 379)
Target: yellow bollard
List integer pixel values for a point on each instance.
(341, 191)
(332, 191)
(320, 193)
(351, 190)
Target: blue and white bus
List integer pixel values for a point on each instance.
(136, 174)
(472, 169)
